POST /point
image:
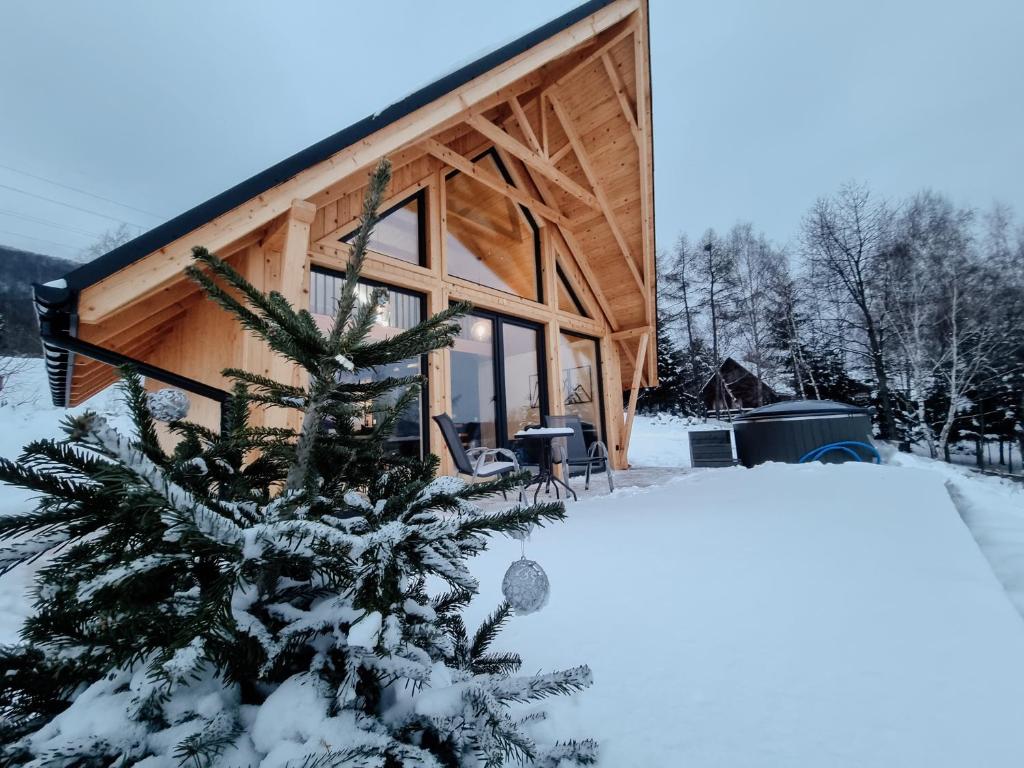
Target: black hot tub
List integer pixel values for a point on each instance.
(791, 430)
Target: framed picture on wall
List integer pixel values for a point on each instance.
(578, 385)
(534, 391)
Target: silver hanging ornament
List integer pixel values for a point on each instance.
(526, 586)
(168, 404)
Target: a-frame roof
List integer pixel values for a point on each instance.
(156, 238)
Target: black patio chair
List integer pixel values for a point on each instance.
(574, 452)
(478, 463)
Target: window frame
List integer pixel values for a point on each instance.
(425, 447)
(530, 218)
(498, 349)
(564, 280)
(603, 433)
(420, 196)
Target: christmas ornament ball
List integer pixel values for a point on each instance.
(168, 404)
(526, 586)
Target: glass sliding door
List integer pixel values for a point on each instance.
(498, 384)
(474, 382)
(521, 368)
(581, 383)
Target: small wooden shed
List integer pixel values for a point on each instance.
(736, 388)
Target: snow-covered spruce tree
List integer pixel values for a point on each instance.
(259, 596)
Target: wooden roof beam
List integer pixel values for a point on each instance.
(630, 333)
(450, 157)
(524, 125)
(594, 55)
(588, 170)
(570, 247)
(533, 159)
(620, 94)
(561, 152)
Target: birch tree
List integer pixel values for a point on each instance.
(756, 263)
(845, 237)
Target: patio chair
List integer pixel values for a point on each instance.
(574, 451)
(478, 463)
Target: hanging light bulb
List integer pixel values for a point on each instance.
(480, 330)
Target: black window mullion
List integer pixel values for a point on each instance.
(500, 410)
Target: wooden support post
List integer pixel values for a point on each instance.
(634, 392)
(294, 267)
(439, 387)
(611, 377)
(643, 111)
(552, 329)
(288, 273)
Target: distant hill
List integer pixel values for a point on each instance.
(18, 270)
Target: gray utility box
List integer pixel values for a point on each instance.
(790, 430)
(711, 448)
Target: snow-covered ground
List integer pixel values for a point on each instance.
(781, 616)
(993, 509)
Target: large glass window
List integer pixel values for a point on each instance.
(474, 383)
(581, 387)
(567, 299)
(401, 310)
(400, 232)
(491, 240)
(497, 379)
(519, 346)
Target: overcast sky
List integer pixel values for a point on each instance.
(759, 107)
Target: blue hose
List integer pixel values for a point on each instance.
(846, 446)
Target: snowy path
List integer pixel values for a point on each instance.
(730, 622)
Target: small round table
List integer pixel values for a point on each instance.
(545, 475)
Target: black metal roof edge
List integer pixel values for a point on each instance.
(55, 309)
(181, 225)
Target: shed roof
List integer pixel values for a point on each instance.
(160, 249)
(148, 242)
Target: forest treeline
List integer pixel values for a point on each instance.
(915, 307)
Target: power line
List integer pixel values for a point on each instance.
(49, 223)
(82, 191)
(69, 205)
(41, 240)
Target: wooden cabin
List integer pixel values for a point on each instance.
(736, 388)
(522, 182)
